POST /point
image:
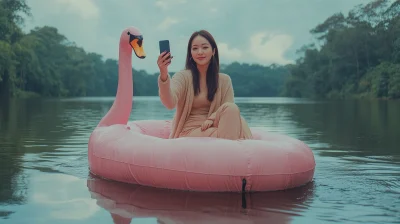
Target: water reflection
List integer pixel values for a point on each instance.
(53, 198)
(362, 128)
(356, 146)
(29, 127)
(126, 202)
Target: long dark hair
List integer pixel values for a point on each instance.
(212, 70)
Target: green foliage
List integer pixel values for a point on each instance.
(256, 80)
(383, 81)
(45, 63)
(359, 57)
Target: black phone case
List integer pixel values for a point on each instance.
(164, 46)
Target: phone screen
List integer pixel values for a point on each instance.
(164, 46)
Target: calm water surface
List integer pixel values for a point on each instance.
(44, 170)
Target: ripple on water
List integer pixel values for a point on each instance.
(356, 189)
(354, 182)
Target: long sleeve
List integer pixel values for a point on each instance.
(227, 97)
(171, 90)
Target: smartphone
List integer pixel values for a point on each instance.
(164, 46)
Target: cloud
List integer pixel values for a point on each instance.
(263, 48)
(213, 10)
(229, 53)
(67, 199)
(77, 20)
(167, 23)
(165, 5)
(86, 9)
(270, 48)
(168, 19)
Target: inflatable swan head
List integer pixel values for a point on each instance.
(134, 38)
(131, 38)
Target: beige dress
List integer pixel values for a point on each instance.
(227, 123)
(198, 114)
(192, 111)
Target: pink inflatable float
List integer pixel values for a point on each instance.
(126, 203)
(140, 152)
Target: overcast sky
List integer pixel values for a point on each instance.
(252, 31)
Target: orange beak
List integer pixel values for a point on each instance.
(137, 46)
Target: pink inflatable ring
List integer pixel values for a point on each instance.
(140, 152)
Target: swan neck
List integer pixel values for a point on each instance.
(120, 111)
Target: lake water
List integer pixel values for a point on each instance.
(45, 179)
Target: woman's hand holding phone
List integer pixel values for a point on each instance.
(163, 62)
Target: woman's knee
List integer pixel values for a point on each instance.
(231, 107)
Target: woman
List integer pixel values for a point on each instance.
(203, 97)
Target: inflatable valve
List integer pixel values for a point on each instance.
(244, 203)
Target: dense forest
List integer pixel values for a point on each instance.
(358, 56)
(44, 62)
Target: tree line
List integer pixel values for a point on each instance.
(44, 62)
(359, 56)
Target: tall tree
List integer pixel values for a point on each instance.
(357, 56)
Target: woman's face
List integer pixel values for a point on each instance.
(201, 50)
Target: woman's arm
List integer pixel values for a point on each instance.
(171, 89)
(229, 96)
